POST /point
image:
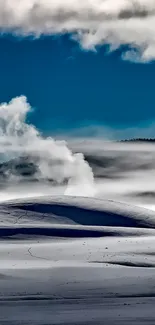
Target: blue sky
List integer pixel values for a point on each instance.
(73, 88)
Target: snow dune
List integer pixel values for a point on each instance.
(69, 260)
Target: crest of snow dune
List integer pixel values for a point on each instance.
(54, 159)
(91, 22)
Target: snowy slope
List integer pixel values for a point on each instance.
(68, 260)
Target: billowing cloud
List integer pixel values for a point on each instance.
(91, 22)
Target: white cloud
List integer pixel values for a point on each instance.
(92, 22)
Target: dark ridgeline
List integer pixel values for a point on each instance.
(138, 140)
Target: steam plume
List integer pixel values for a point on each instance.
(54, 159)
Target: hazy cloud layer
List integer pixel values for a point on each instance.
(123, 171)
(91, 22)
(140, 131)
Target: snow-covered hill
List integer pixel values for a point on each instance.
(69, 260)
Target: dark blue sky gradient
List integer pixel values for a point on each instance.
(70, 88)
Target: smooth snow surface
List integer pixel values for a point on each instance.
(68, 260)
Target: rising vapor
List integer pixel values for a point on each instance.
(91, 22)
(53, 158)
